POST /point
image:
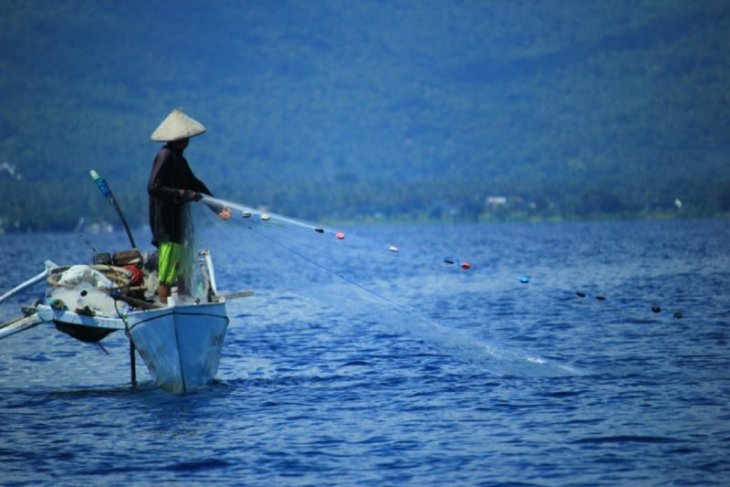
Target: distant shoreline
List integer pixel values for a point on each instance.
(525, 219)
(105, 227)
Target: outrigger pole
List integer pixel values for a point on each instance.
(33, 280)
(107, 192)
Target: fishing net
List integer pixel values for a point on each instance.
(384, 285)
(193, 283)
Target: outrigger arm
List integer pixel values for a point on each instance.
(17, 325)
(23, 323)
(33, 280)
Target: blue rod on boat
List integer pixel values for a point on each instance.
(107, 192)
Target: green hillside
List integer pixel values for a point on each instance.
(349, 109)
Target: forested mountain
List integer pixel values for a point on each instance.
(345, 109)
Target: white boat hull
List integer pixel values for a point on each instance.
(181, 345)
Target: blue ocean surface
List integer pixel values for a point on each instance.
(492, 354)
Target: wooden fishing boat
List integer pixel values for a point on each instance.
(180, 344)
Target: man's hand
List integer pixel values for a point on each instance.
(225, 214)
(190, 195)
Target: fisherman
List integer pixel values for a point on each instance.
(171, 186)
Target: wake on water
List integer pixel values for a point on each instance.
(339, 270)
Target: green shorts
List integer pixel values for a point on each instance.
(169, 262)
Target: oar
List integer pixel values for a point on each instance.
(33, 280)
(107, 192)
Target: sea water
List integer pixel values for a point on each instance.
(567, 354)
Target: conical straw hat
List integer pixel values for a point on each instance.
(177, 126)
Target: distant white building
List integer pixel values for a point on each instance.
(496, 200)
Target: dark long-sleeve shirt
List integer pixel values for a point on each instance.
(170, 173)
